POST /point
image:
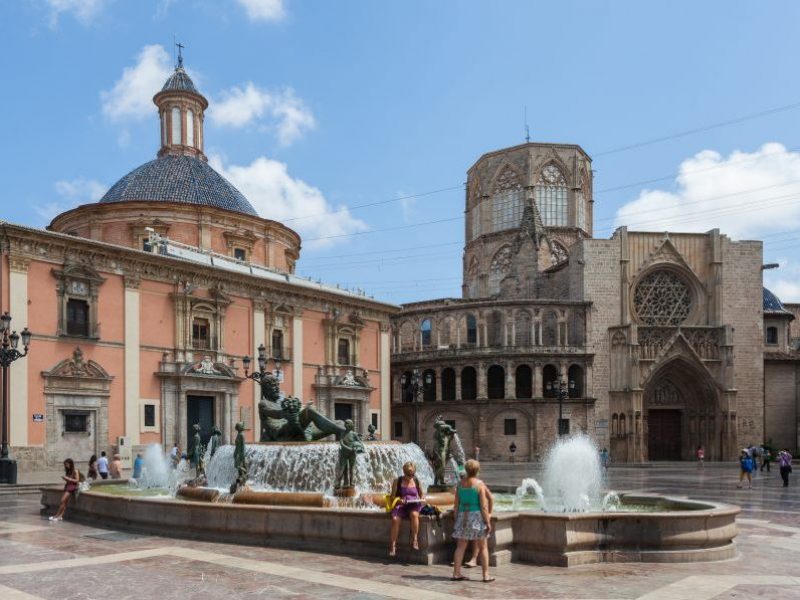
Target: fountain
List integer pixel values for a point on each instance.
(299, 492)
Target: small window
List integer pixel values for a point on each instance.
(425, 329)
(149, 415)
(176, 125)
(76, 422)
(343, 352)
(189, 128)
(472, 329)
(77, 317)
(277, 344)
(563, 427)
(240, 254)
(200, 333)
(510, 427)
(772, 336)
(398, 429)
(374, 421)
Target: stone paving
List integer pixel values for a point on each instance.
(67, 560)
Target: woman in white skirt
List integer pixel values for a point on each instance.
(472, 520)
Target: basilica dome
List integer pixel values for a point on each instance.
(179, 178)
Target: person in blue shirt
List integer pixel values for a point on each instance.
(137, 466)
(745, 469)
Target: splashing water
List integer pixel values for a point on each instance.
(157, 471)
(311, 467)
(527, 486)
(573, 476)
(611, 502)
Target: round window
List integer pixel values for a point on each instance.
(662, 298)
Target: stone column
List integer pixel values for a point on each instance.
(297, 354)
(385, 424)
(511, 381)
(537, 380)
(458, 383)
(438, 373)
(131, 328)
(259, 334)
(181, 437)
(18, 372)
(227, 409)
(483, 392)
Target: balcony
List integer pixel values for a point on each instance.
(280, 353)
(473, 351)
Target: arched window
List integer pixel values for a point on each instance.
(614, 425)
(496, 382)
(407, 337)
(549, 381)
(176, 125)
(524, 382)
(429, 386)
(425, 330)
(575, 381)
(469, 383)
(190, 128)
(549, 329)
(499, 269)
(522, 329)
(472, 330)
(576, 328)
(445, 331)
(448, 384)
(772, 336)
(507, 201)
(623, 430)
(496, 328)
(551, 196)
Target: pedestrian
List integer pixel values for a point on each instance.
(406, 502)
(473, 521)
(755, 454)
(745, 469)
(115, 468)
(785, 464)
(474, 546)
(477, 452)
(604, 458)
(92, 474)
(72, 478)
(138, 463)
(700, 453)
(102, 465)
(766, 457)
(175, 455)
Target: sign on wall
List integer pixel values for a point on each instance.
(38, 418)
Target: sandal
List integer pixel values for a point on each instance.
(489, 580)
(459, 578)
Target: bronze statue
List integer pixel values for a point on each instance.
(371, 433)
(216, 434)
(443, 437)
(196, 446)
(200, 475)
(239, 459)
(350, 445)
(287, 420)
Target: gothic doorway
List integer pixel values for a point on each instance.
(681, 408)
(664, 434)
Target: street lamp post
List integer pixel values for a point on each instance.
(415, 384)
(257, 376)
(8, 354)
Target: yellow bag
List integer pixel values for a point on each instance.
(390, 503)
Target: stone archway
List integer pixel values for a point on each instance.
(681, 412)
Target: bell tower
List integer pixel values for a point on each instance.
(181, 112)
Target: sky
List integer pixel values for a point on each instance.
(354, 122)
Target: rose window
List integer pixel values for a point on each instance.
(662, 298)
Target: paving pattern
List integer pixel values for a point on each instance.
(39, 559)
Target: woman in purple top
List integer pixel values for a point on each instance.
(785, 463)
(407, 492)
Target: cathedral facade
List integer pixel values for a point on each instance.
(144, 304)
(653, 343)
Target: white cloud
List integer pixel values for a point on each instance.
(264, 10)
(277, 195)
(407, 204)
(74, 192)
(784, 281)
(132, 94)
(281, 111)
(746, 195)
(84, 11)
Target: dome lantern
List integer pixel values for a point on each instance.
(181, 111)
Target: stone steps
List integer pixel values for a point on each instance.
(19, 489)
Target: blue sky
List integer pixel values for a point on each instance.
(320, 106)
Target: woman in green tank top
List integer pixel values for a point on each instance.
(472, 520)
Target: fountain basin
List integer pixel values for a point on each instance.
(686, 531)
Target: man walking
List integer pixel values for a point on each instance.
(785, 463)
(102, 465)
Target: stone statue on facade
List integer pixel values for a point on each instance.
(443, 438)
(197, 444)
(239, 461)
(216, 435)
(350, 446)
(371, 433)
(287, 420)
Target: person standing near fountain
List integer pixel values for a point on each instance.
(102, 465)
(72, 479)
(745, 468)
(473, 521)
(785, 464)
(406, 497)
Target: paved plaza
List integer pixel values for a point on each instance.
(68, 560)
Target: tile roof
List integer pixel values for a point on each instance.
(180, 81)
(185, 179)
(773, 305)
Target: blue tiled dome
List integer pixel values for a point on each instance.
(180, 81)
(184, 179)
(773, 305)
